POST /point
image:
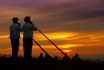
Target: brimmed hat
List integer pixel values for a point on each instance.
(15, 18)
(27, 18)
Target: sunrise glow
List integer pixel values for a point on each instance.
(75, 26)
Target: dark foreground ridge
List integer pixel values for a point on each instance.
(6, 63)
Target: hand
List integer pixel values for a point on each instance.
(19, 24)
(31, 23)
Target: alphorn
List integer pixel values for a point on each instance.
(53, 43)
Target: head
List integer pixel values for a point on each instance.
(27, 19)
(65, 54)
(76, 55)
(15, 20)
(41, 54)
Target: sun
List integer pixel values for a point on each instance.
(67, 51)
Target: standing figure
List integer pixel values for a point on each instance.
(46, 57)
(41, 56)
(76, 57)
(28, 29)
(14, 36)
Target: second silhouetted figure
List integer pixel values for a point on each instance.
(28, 29)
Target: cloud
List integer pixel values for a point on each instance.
(94, 39)
(86, 25)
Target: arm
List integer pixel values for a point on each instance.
(33, 27)
(19, 27)
(19, 24)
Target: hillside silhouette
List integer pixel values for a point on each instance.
(48, 64)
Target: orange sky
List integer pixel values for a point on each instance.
(75, 26)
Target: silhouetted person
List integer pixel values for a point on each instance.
(56, 58)
(46, 57)
(14, 36)
(41, 56)
(27, 38)
(98, 60)
(76, 57)
(66, 58)
(4, 56)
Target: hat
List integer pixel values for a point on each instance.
(15, 18)
(27, 18)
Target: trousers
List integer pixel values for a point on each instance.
(27, 47)
(15, 47)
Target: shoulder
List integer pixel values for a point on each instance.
(17, 26)
(24, 24)
(29, 24)
(12, 25)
